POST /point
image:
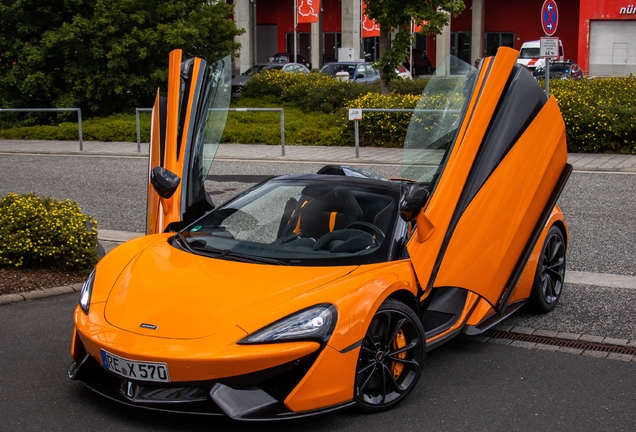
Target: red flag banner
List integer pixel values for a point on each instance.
(307, 11)
(418, 27)
(369, 26)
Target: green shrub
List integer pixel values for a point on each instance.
(310, 92)
(115, 128)
(43, 232)
(600, 114)
(379, 129)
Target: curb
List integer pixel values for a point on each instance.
(39, 294)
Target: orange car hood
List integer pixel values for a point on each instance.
(188, 296)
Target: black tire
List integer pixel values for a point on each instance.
(550, 274)
(391, 358)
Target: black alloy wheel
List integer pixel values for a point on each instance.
(548, 279)
(391, 357)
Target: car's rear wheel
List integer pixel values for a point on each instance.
(548, 279)
(391, 357)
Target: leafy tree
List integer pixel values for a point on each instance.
(106, 56)
(397, 14)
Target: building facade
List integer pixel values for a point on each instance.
(600, 35)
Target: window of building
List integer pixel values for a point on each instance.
(493, 40)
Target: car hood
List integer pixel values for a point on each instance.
(188, 296)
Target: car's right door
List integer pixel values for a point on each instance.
(492, 150)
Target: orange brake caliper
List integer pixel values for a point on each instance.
(399, 342)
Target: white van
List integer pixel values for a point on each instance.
(529, 54)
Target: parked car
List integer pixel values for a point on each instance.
(422, 63)
(403, 72)
(289, 58)
(560, 70)
(358, 72)
(238, 82)
(529, 55)
(311, 293)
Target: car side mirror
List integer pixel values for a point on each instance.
(360, 75)
(164, 181)
(412, 201)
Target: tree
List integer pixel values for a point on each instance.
(105, 56)
(397, 15)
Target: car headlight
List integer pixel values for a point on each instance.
(85, 293)
(314, 323)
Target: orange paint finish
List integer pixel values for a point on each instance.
(332, 368)
(443, 202)
(362, 292)
(529, 177)
(212, 357)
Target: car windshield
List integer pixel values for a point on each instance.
(434, 123)
(528, 53)
(284, 58)
(254, 70)
(333, 69)
(318, 219)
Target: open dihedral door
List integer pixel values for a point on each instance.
(499, 178)
(185, 132)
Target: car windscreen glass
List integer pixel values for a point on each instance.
(303, 220)
(528, 53)
(253, 70)
(438, 114)
(211, 115)
(333, 69)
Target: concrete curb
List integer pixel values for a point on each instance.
(39, 294)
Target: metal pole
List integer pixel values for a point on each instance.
(547, 77)
(138, 130)
(356, 122)
(79, 128)
(411, 49)
(282, 132)
(295, 32)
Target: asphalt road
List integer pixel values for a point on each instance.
(466, 385)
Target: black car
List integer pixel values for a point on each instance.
(289, 58)
(560, 70)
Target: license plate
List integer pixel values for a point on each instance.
(135, 370)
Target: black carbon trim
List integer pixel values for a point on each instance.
(532, 241)
(351, 347)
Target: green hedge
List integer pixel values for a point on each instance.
(43, 232)
(599, 114)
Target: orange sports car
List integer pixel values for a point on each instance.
(311, 293)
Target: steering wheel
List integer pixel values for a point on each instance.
(378, 235)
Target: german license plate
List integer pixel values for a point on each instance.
(135, 370)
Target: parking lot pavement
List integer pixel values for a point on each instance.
(259, 152)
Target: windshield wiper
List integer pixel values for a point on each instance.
(236, 256)
(199, 248)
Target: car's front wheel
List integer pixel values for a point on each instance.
(391, 357)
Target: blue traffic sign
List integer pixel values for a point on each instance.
(549, 17)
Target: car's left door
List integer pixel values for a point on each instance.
(186, 129)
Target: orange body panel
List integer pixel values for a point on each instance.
(333, 368)
(520, 203)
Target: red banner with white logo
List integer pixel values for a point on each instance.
(418, 27)
(369, 27)
(307, 11)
